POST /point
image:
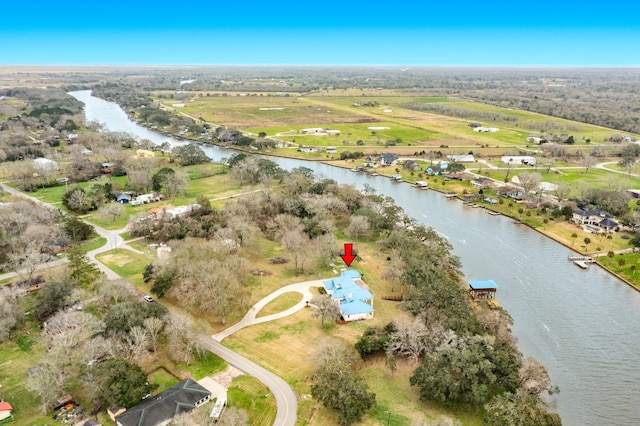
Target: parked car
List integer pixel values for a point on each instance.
(148, 298)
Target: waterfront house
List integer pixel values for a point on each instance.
(481, 183)
(388, 159)
(411, 165)
(351, 294)
(595, 220)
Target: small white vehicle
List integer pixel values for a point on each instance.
(148, 298)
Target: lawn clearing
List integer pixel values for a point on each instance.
(279, 304)
(126, 263)
(251, 395)
(15, 360)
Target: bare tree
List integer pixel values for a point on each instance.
(28, 260)
(587, 162)
(358, 227)
(207, 277)
(183, 341)
(294, 240)
(534, 378)
(47, 381)
(139, 341)
(10, 312)
(332, 354)
(67, 329)
(138, 180)
(325, 308)
(154, 327)
(562, 191)
(111, 211)
(115, 291)
(529, 182)
(175, 183)
(240, 230)
(409, 338)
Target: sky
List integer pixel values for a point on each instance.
(330, 32)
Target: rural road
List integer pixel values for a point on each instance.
(250, 318)
(286, 399)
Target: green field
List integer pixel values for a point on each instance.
(284, 117)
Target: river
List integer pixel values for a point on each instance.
(581, 324)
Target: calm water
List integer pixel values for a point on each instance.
(581, 324)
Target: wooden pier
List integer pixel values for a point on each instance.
(581, 261)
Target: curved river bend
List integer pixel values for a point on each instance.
(581, 324)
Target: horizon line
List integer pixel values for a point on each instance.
(174, 65)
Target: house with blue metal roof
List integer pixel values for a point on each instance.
(351, 294)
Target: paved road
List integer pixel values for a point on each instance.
(286, 399)
(250, 318)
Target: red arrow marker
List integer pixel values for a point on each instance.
(348, 256)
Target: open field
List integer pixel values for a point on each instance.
(444, 124)
(126, 263)
(15, 360)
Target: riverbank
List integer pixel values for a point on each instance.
(446, 190)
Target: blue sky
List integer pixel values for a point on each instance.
(320, 33)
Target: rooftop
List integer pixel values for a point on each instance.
(483, 285)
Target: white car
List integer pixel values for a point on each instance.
(148, 298)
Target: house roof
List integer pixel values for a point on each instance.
(388, 157)
(5, 406)
(345, 280)
(596, 212)
(180, 398)
(483, 285)
(352, 292)
(355, 306)
(123, 196)
(608, 222)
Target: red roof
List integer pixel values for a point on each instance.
(5, 406)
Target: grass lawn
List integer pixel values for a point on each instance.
(203, 366)
(126, 263)
(251, 395)
(162, 379)
(300, 334)
(93, 244)
(15, 359)
(625, 265)
(279, 304)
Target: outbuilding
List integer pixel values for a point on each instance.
(483, 290)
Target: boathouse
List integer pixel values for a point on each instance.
(483, 290)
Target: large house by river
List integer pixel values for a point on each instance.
(351, 294)
(596, 220)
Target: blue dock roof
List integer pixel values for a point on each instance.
(483, 285)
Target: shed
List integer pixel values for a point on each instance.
(5, 412)
(123, 197)
(483, 290)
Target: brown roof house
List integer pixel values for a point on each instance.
(158, 410)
